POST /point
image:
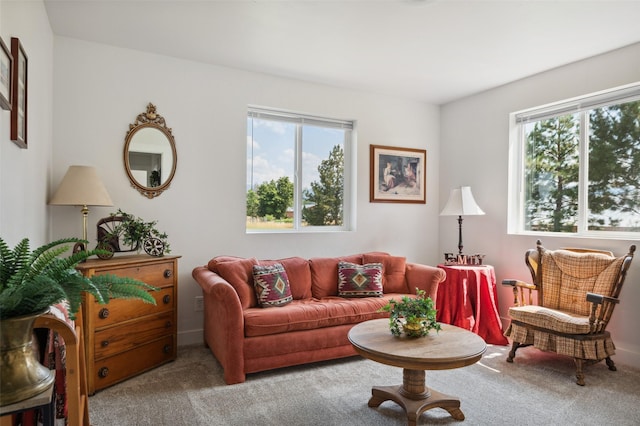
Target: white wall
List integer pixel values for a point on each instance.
(25, 173)
(474, 151)
(99, 90)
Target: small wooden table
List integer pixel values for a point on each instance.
(452, 347)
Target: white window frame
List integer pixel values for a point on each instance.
(516, 184)
(349, 189)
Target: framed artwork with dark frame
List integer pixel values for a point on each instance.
(6, 67)
(19, 97)
(398, 175)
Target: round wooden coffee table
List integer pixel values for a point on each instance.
(451, 347)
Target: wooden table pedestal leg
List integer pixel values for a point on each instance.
(414, 397)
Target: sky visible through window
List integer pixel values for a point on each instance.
(272, 144)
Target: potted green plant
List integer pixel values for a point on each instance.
(414, 316)
(136, 232)
(30, 282)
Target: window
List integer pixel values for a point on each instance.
(575, 166)
(298, 173)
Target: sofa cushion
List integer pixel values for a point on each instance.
(359, 280)
(272, 285)
(568, 275)
(324, 274)
(308, 314)
(213, 263)
(239, 273)
(299, 275)
(393, 279)
(550, 319)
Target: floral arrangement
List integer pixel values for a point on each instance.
(415, 316)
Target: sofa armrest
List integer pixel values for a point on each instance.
(425, 278)
(223, 323)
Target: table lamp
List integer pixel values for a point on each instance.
(461, 203)
(81, 186)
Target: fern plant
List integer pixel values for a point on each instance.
(31, 281)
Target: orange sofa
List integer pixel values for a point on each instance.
(246, 338)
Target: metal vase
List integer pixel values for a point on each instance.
(21, 375)
(417, 328)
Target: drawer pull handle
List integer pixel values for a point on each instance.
(167, 324)
(104, 343)
(166, 349)
(166, 299)
(104, 313)
(103, 372)
(168, 273)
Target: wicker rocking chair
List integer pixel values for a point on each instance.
(577, 290)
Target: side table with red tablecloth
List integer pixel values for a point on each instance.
(468, 299)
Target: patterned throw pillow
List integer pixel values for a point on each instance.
(272, 285)
(360, 280)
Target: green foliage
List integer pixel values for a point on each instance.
(552, 174)
(325, 198)
(135, 230)
(614, 159)
(323, 201)
(552, 169)
(252, 203)
(31, 281)
(408, 310)
(274, 197)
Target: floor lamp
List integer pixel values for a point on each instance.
(82, 187)
(461, 203)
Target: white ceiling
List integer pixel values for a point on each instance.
(435, 51)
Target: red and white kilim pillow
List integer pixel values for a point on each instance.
(272, 285)
(360, 280)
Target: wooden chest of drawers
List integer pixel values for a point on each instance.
(126, 337)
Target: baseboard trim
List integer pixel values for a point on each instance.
(626, 356)
(190, 337)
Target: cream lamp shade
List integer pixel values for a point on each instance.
(461, 203)
(81, 186)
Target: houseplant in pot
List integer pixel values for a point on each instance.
(30, 282)
(122, 231)
(414, 316)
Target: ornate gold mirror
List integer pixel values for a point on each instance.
(150, 153)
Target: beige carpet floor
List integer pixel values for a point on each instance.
(537, 389)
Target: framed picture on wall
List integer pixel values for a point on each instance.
(6, 66)
(397, 175)
(19, 97)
